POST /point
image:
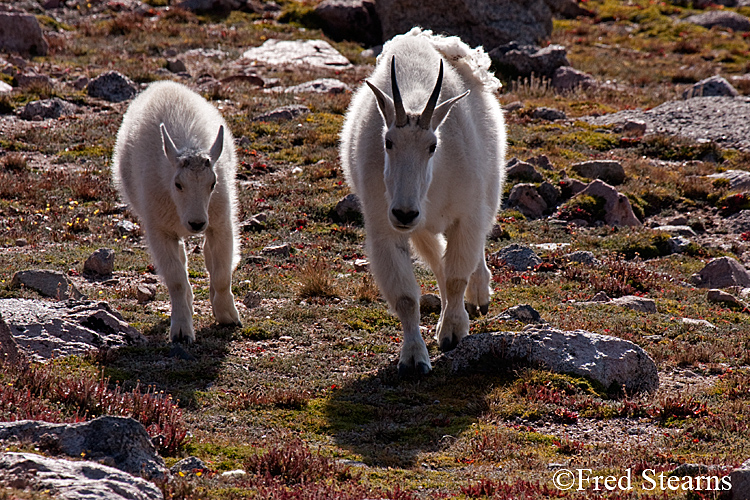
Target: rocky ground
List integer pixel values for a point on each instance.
(616, 339)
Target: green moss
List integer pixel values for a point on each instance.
(645, 244)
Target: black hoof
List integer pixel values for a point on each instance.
(471, 309)
(448, 344)
(484, 309)
(423, 368)
(181, 338)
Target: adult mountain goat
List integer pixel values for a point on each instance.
(174, 165)
(428, 172)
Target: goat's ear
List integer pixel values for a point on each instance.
(385, 103)
(218, 146)
(442, 110)
(169, 148)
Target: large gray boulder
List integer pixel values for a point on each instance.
(614, 362)
(47, 108)
(478, 22)
(73, 480)
(42, 330)
(121, 442)
(20, 32)
(112, 86)
(354, 20)
(518, 257)
(317, 54)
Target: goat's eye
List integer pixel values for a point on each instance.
(178, 186)
(432, 148)
(388, 144)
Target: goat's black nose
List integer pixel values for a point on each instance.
(405, 218)
(197, 226)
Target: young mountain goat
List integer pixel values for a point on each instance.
(174, 165)
(427, 172)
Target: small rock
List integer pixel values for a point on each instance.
(429, 303)
(699, 322)
(610, 171)
(550, 194)
(361, 265)
(739, 180)
(281, 250)
(711, 87)
(722, 18)
(45, 109)
(22, 242)
(516, 169)
(600, 297)
(47, 282)
(518, 257)
(583, 257)
(5, 88)
(188, 465)
(678, 244)
(618, 211)
(549, 114)
(21, 32)
(633, 127)
(25, 80)
(526, 60)
(639, 304)
(145, 293)
(125, 228)
(101, 262)
(112, 86)
(677, 230)
(722, 272)
(571, 187)
(527, 200)
(284, 113)
(176, 65)
(721, 297)
(348, 209)
(252, 300)
(320, 86)
(255, 223)
(233, 474)
(313, 53)
(540, 161)
(567, 79)
(522, 312)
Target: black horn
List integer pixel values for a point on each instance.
(424, 119)
(397, 102)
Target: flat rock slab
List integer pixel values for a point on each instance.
(119, 442)
(43, 330)
(47, 282)
(313, 53)
(719, 119)
(612, 361)
(73, 480)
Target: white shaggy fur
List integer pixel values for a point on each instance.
(436, 183)
(174, 164)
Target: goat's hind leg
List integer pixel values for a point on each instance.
(218, 251)
(390, 263)
(171, 264)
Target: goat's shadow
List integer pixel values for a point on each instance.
(181, 370)
(390, 422)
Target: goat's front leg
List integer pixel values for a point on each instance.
(171, 264)
(390, 263)
(463, 245)
(219, 253)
